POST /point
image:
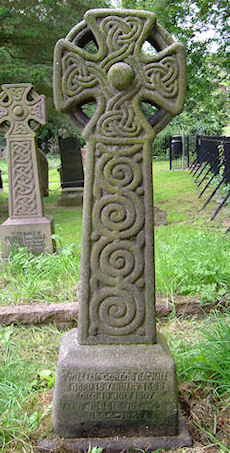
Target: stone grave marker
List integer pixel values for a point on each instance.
(116, 379)
(22, 111)
(71, 172)
(1, 182)
(44, 172)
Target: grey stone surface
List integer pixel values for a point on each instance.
(115, 376)
(118, 444)
(102, 387)
(71, 197)
(38, 314)
(26, 226)
(35, 234)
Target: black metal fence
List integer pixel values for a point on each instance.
(211, 164)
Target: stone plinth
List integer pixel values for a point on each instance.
(71, 197)
(100, 388)
(34, 234)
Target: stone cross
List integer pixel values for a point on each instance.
(117, 269)
(22, 111)
(116, 374)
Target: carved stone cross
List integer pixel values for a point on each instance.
(116, 373)
(117, 269)
(20, 116)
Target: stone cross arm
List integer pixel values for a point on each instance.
(22, 108)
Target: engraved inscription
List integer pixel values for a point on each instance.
(29, 239)
(115, 395)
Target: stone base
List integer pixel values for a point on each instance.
(72, 196)
(115, 390)
(118, 444)
(32, 233)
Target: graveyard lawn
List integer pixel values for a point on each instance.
(192, 261)
(29, 357)
(192, 254)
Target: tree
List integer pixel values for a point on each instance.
(208, 59)
(28, 33)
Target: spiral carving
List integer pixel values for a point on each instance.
(117, 260)
(123, 214)
(119, 173)
(116, 311)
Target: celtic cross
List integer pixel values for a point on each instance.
(117, 265)
(24, 116)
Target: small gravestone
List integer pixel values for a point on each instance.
(160, 217)
(44, 172)
(71, 172)
(116, 379)
(22, 110)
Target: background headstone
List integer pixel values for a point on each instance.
(116, 376)
(1, 182)
(160, 216)
(71, 172)
(44, 172)
(26, 226)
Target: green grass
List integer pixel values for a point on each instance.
(187, 261)
(190, 261)
(206, 360)
(26, 278)
(27, 356)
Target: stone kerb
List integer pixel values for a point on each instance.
(98, 368)
(26, 226)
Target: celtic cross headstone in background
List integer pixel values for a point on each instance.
(117, 375)
(22, 111)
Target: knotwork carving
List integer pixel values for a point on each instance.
(117, 269)
(23, 185)
(18, 110)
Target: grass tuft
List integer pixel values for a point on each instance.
(192, 262)
(207, 361)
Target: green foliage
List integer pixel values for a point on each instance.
(208, 360)
(207, 100)
(22, 378)
(190, 262)
(94, 449)
(37, 278)
(28, 35)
